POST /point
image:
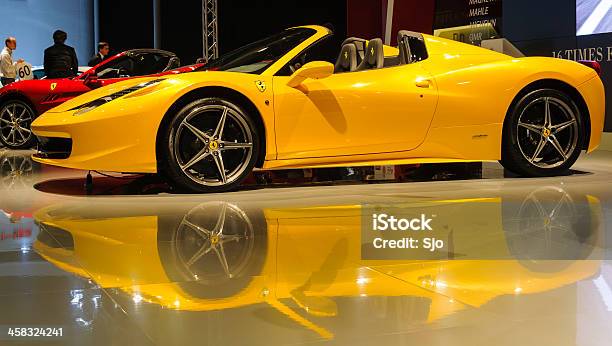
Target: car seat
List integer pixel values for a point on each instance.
(347, 60)
(374, 56)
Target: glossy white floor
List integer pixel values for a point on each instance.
(132, 264)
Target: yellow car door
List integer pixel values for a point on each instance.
(354, 113)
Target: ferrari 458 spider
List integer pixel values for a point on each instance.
(278, 103)
(23, 101)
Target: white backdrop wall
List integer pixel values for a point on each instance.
(33, 22)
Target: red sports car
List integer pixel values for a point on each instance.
(21, 102)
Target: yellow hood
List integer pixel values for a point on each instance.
(99, 93)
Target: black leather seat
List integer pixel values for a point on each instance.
(347, 60)
(360, 44)
(374, 56)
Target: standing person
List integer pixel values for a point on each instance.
(60, 59)
(8, 71)
(103, 49)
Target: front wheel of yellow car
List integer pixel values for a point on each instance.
(210, 145)
(543, 134)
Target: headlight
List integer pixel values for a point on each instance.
(89, 106)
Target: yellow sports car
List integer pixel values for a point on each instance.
(283, 102)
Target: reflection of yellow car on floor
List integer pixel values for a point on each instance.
(304, 260)
(282, 103)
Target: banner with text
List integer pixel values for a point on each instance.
(472, 20)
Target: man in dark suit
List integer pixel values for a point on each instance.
(60, 59)
(103, 49)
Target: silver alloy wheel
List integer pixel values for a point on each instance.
(547, 132)
(551, 229)
(213, 145)
(15, 119)
(15, 172)
(546, 211)
(213, 236)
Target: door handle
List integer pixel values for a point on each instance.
(423, 83)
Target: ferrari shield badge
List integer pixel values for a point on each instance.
(53, 86)
(261, 85)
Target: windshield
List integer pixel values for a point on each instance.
(258, 56)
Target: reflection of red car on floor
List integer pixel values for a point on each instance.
(23, 101)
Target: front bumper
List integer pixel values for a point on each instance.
(113, 139)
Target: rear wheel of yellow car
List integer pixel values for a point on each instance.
(210, 145)
(543, 134)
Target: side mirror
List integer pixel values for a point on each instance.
(312, 70)
(92, 81)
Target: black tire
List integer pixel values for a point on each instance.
(20, 137)
(192, 134)
(529, 153)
